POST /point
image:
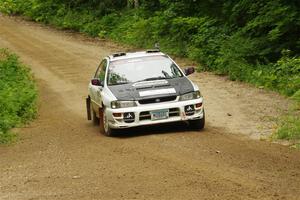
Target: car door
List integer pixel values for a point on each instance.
(95, 90)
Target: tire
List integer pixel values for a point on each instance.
(104, 127)
(198, 124)
(94, 117)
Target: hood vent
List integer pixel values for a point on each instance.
(159, 86)
(142, 88)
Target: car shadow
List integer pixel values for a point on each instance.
(169, 128)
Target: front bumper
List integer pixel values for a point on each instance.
(142, 113)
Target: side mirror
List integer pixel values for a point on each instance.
(189, 70)
(97, 82)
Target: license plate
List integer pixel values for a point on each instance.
(159, 114)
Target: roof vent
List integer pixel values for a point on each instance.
(119, 54)
(152, 51)
(156, 49)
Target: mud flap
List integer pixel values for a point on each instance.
(88, 108)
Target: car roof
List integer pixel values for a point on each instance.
(122, 55)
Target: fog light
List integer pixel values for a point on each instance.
(128, 117)
(189, 110)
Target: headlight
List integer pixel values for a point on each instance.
(122, 104)
(190, 96)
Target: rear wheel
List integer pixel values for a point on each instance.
(198, 124)
(104, 125)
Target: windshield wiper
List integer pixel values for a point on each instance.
(120, 83)
(166, 74)
(153, 79)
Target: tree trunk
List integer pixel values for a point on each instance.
(136, 3)
(133, 3)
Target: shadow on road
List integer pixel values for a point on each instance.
(152, 130)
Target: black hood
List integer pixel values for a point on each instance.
(133, 91)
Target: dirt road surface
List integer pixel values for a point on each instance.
(62, 156)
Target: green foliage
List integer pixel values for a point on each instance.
(282, 76)
(18, 94)
(204, 47)
(289, 128)
(289, 124)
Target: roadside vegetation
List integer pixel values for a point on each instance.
(252, 41)
(289, 124)
(18, 95)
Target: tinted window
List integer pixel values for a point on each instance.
(142, 69)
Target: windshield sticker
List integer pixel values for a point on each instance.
(156, 92)
(149, 83)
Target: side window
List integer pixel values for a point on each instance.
(101, 70)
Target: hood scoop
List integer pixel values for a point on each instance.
(159, 86)
(142, 88)
(150, 84)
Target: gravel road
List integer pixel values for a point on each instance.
(61, 155)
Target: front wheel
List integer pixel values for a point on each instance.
(104, 126)
(94, 117)
(198, 124)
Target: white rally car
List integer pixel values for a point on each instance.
(142, 88)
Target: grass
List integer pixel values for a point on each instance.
(289, 124)
(18, 95)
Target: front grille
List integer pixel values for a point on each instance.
(157, 100)
(145, 115)
(173, 112)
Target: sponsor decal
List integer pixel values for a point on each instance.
(157, 92)
(128, 116)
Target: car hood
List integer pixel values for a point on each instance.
(152, 89)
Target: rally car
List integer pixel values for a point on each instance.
(142, 88)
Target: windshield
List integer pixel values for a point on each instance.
(142, 69)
